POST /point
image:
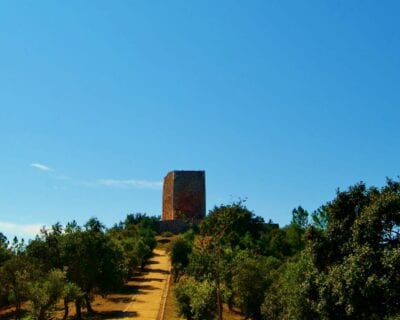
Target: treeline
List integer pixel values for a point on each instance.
(73, 263)
(340, 262)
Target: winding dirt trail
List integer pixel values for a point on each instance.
(143, 296)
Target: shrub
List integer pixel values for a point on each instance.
(196, 300)
(180, 256)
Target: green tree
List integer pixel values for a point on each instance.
(231, 223)
(249, 283)
(71, 293)
(16, 274)
(278, 245)
(300, 217)
(45, 248)
(320, 217)
(196, 300)
(289, 292)
(357, 255)
(180, 251)
(44, 294)
(227, 228)
(294, 231)
(93, 261)
(143, 220)
(5, 252)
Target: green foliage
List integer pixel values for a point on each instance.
(17, 247)
(294, 239)
(287, 296)
(45, 293)
(45, 249)
(231, 223)
(203, 301)
(148, 237)
(16, 275)
(143, 221)
(142, 252)
(300, 217)
(94, 225)
(357, 255)
(136, 238)
(93, 261)
(167, 234)
(180, 251)
(71, 292)
(5, 252)
(344, 264)
(229, 252)
(201, 260)
(196, 300)
(128, 247)
(183, 293)
(320, 217)
(3, 240)
(249, 282)
(278, 245)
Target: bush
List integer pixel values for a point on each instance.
(196, 300)
(45, 293)
(180, 252)
(249, 283)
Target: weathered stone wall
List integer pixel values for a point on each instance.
(174, 226)
(189, 195)
(184, 196)
(168, 197)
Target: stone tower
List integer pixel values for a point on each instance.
(184, 196)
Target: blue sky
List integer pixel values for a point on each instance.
(280, 102)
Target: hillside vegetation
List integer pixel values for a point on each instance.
(72, 263)
(342, 261)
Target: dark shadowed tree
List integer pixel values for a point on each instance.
(93, 261)
(180, 251)
(358, 254)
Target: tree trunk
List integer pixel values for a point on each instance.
(42, 313)
(17, 310)
(88, 304)
(219, 301)
(66, 309)
(230, 303)
(78, 305)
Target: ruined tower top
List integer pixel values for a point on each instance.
(184, 196)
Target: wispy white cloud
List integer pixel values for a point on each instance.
(142, 184)
(41, 166)
(27, 231)
(135, 183)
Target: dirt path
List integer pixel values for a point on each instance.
(147, 302)
(143, 295)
